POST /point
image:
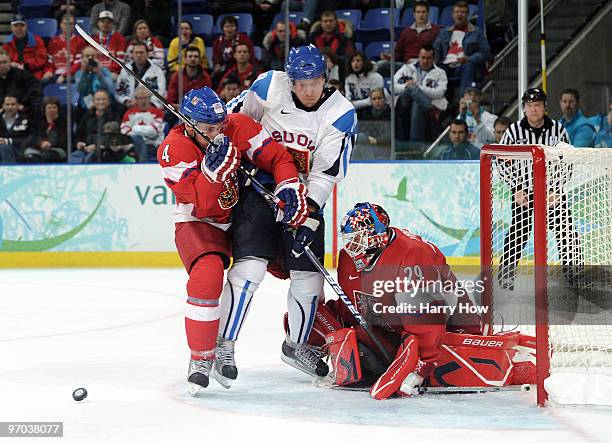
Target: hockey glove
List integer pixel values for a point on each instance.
(295, 210)
(221, 159)
(306, 233)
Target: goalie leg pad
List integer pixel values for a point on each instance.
(404, 364)
(243, 279)
(344, 356)
(524, 361)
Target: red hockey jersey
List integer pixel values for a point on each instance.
(199, 199)
(116, 44)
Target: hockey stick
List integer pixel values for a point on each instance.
(178, 114)
(351, 307)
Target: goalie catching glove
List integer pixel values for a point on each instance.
(295, 208)
(221, 160)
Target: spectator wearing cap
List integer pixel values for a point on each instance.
(27, 51)
(111, 40)
(499, 127)
(479, 121)
(186, 39)
(459, 147)
(422, 86)
(335, 34)
(243, 69)
(581, 132)
(119, 11)
(18, 83)
(231, 88)
(141, 33)
(421, 32)
(194, 76)
(223, 46)
(361, 79)
(15, 128)
(148, 72)
(274, 44)
(462, 49)
(58, 53)
(144, 123)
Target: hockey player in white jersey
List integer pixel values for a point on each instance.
(317, 125)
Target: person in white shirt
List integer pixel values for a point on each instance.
(360, 81)
(422, 86)
(479, 121)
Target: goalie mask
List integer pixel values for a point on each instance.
(364, 231)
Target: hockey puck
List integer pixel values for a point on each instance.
(525, 388)
(79, 394)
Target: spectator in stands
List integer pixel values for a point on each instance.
(459, 148)
(76, 8)
(224, 45)
(144, 123)
(111, 40)
(91, 78)
(157, 15)
(194, 76)
(499, 126)
(231, 88)
(603, 126)
(581, 132)
(333, 70)
(361, 79)
(48, 144)
(422, 86)
(498, 18)
(90, 126)
(15, 128)
(263, 14)
(274, 45)
(18, 83)
(119, 10)
(308, 7)
(335, 34)
(58, 53)
(115, 147)
(187, 40)
(243, 69)
(141, 33)
(150, 73)
(462, 49)
(479, 121)
(26, 50)
(411, 40)
(333, 83)
(374, 138)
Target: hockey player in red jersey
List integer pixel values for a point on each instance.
(203, 179)
(403, 287)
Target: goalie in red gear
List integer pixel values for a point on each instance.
(403, 287)
(203, 178)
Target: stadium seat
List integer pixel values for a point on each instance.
(202, 24)
(294, 17)
(359, 46)
(42, 27)
(373, 50)
(446, 17)
(408, 16)
(209, 55)
(378, 18)
(61, 92)
(245, 22)
(35, 8)
(84, 22)
(258, 52)
(351, 15)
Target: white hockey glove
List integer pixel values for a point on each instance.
(293, 194)
(221, 159)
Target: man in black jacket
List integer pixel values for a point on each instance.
(14, 129)
(19, 83)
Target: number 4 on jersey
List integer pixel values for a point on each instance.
(165, 155)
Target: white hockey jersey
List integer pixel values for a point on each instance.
(320, 140)
(154, 77)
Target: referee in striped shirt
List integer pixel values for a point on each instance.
(537, 128)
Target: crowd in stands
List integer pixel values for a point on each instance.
(433, 78)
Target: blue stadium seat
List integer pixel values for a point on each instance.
(378, 18)
(61, 92)
(258, 52)
(351, 15)
(359, 46)
(294, 17)
(84, 22)
(35, 8)
(408, 16)
(209, 55)
(245, 22)
(446, 17)
(202, 24)
(42, 27)
(374, 49)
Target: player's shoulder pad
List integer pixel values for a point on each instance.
(344, 115)
(261, 85)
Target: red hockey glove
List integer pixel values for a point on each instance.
(221, 159)
(295, 210)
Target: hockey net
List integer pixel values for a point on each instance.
(546, 258)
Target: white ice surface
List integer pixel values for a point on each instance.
(119, 334)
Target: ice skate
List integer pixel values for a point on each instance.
(225, 371)
(198, 375)
(304, 357)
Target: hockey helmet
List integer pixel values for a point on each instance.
(533, 95)
(364, 230)
(203, 105)
(305, 62)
